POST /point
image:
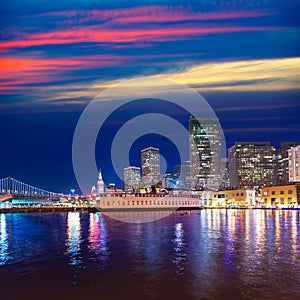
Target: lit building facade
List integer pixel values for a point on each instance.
(240, 197)
(283, 162)
(225, 180)
(132, 179)
(205, 153)
(168, 181)
(252, 165)
(150, 161)
(101, 188)
(280, 196)
(182, 175)
(294, 164)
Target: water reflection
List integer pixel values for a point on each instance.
(74, 238)
(212, 254)
(98, 238)
(4, 255)
(179, 249)
(294, 233)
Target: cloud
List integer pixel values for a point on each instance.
(158, 23)
(246, 75)
(98, 34)
(235, 76)
(147, 14)
(19, 71)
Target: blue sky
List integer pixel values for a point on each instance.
(242, 56)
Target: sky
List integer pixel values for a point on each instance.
(242, 56)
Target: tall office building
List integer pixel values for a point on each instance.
(283, 162)
(182, 175)
(294, 164)
(150, 166)
(132, 179)
(168, 181)
(205, 153)
(252, 165)
(225, 181)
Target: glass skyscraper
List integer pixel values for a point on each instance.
(150, 161)
(132, 179)
(252, 165)
(205, 153)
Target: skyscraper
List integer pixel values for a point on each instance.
(205, 153)
(252, 165)
(150, 161)
(294, 164)
(182, 175)
(225, 181)
(132, 179)
(283, 162)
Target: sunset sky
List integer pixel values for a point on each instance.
(242, 56)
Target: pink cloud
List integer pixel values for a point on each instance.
(17, 71)
(98, 34)
(119, 26)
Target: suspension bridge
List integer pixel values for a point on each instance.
(13, 188)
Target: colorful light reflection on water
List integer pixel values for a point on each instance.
(211, 254)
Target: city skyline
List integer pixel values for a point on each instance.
(250, 165)
(150, 149)
(56, 58)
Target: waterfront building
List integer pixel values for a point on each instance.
(252, 165)
(283, 162)
(100, 184)
(205, 153)
(239, 197)
(132, 179)
(207, 197)
(150, 161)
(294, 164)
(280, 196)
